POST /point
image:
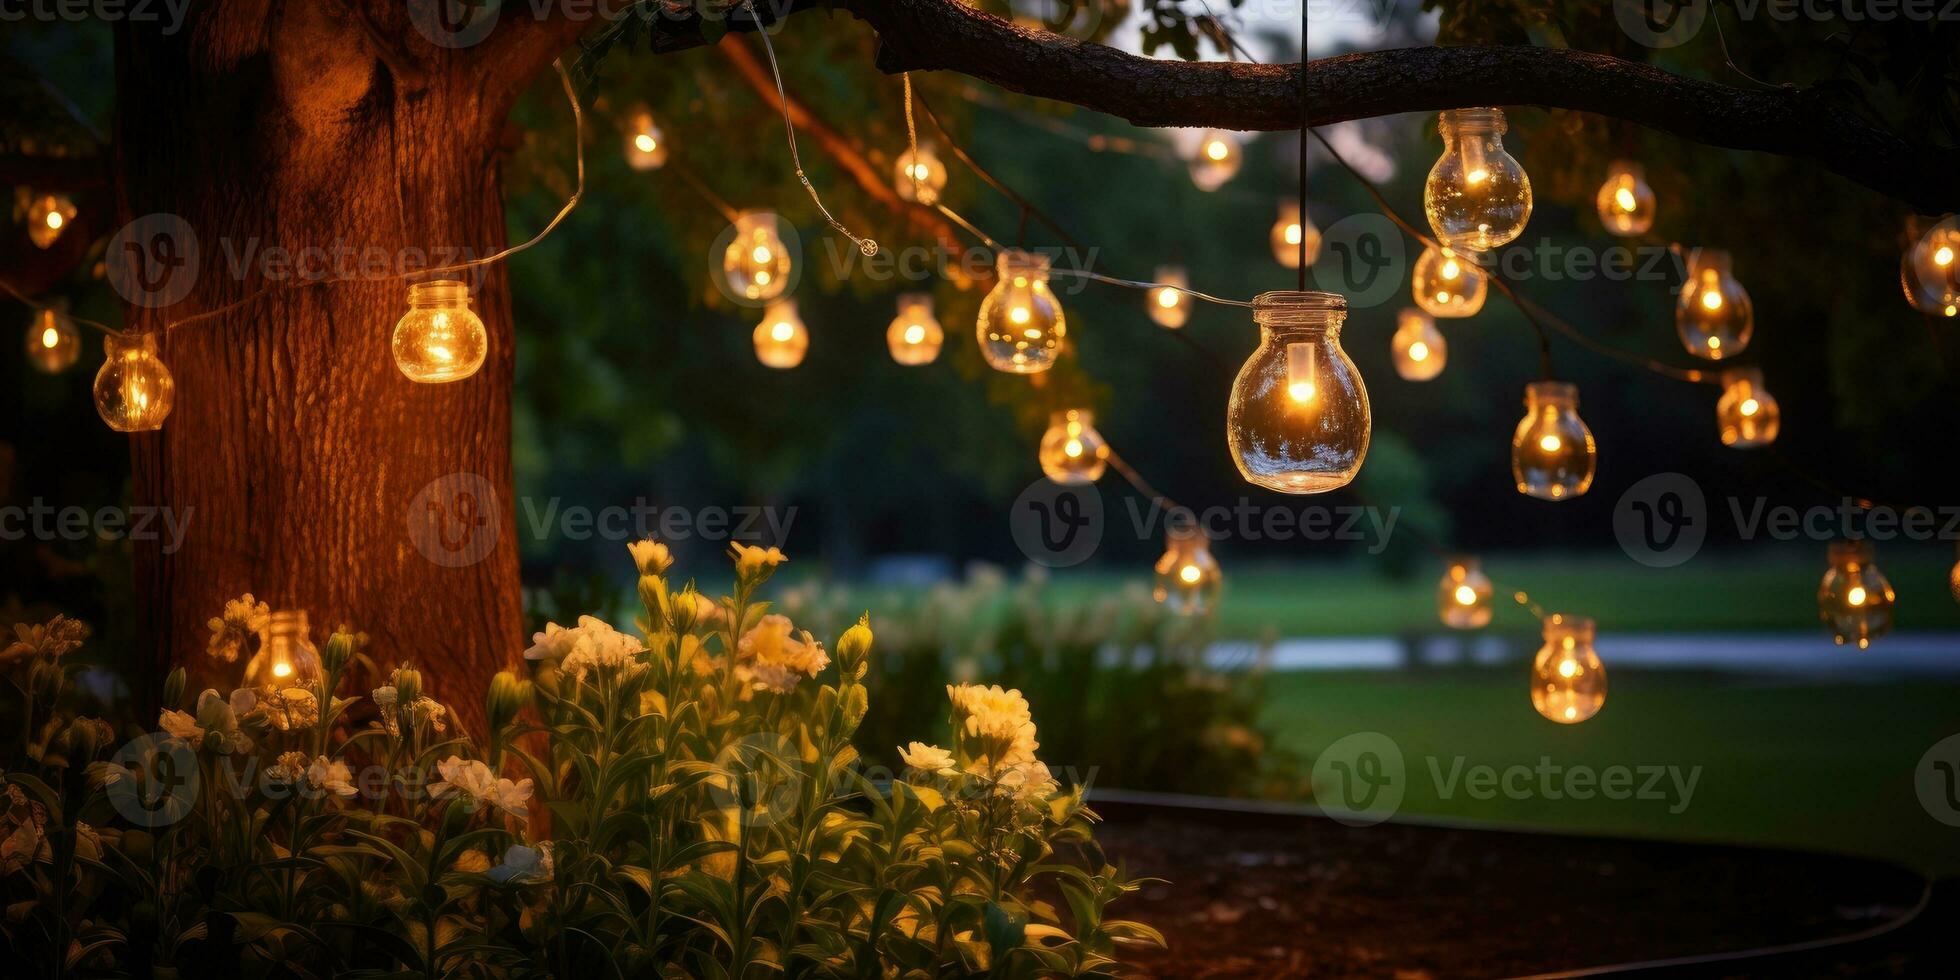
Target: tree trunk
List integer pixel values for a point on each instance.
(314, 474)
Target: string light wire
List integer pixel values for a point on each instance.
(865, 245)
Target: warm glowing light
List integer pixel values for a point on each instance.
(55, 220)
(646, 148)
(1477, 196)
(440, 338)
(287, 659)
(1625, 199)
(756, 264)
(1072, 451)
(1927, 269)
(1466, 596)
(1463, 597)
(1747, 415)
(1625, 202)
(781, 339)
(1552, 452)
(1568, 682)
(1446, 284)
(47, 217)
(645, 143)
(1943, 256)
(1217, 150)
(282, 669)
(1021, 326)
(1292, 229)
(53, 344)
(1417, 347)
(1188, 577)
(1166, 303)
(1298, 420)
(133, 389)
(920, 177)
(1715, 317)
(1854, 600)
(1217, 159)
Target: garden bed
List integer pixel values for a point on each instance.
(1279, 892)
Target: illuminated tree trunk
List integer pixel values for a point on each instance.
(301, 457)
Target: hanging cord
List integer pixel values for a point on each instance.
(1714, 14)
(1306, 17)
(39, 307)
(865, 245)
(700, 187)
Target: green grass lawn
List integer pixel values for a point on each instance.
(1811, 765)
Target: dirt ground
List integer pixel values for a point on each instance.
(1261, 895)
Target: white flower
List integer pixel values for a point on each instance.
(552, 644)
(426, 709)
(388, 702)
(330, 774)
(244, 619)
(1029, 781)
(291, 709)
(290, 767)
(600, 649)
(214, 727)
(775, 659)
(523, 865)
(474, 782)
(997, 722)
(929, 759)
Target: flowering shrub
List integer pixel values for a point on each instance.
(683, 800)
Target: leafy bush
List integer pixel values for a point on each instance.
(685, 802)
(1144, 710)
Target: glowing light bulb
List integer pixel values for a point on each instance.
(1626, 203)
(915, 335)
(1292, 226)
(781, 339)
(1021, 326)
(1217, 159)
(1714, 316)
(1298, 420)
(1072, 451)
(1168, 304)
(288, 658)
(1854, 600)
(1188, 578)
(1928, 270)
(133, 389)
(1477, 197)
(1552, 453)
(53, 343)
(440, 338)
(47, 217)
(1463, 597)
(1747, 413)
(920, 177)
(1417, 348)
(756, 264)
(646, 145)
(1568, 683)
(1448, 284)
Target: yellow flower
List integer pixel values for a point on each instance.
(776, 659)
(752, 564)
(650, 556)
(244, 619)
(997, 725)
(928, 759)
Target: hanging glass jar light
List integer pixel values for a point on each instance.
(1417, 347)
(1188, 578)
(288, 658)
(133, 389)
(1292, 227)
(915, 334)
(1568, 682)
(1626, 202)
(1463, 597)
(781, 339)
(1747, 414)
(1217, 159)
(756, 263)
(920, 176)
(1021, 326)
(53, 343)
(1072, 451)
(47, 217)
(1168, 303)
(1552, 453)
(1930, 268)
(440, 338)
(1854, 600)
(1714, 316)
(1447, 284)
(646, 145)
(1298, 420)
(1477, 197)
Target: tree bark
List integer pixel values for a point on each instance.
(296, 450)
